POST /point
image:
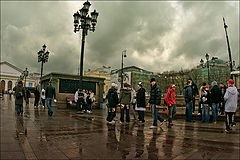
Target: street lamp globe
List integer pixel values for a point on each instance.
(86, 5)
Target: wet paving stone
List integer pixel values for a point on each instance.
(67, 135)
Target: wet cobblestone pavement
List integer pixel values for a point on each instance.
(67, 135)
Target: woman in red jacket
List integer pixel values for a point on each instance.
(171, 103)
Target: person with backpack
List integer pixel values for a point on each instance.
(215, 96)
(171, 103)
(199, 101)
(124, 100)
(112, 98)
(205, 99)
(19, 93)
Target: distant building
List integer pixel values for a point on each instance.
(103, 72)
(67, 84)
(132, 75)
(10, 75)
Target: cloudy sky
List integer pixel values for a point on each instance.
(158, 36)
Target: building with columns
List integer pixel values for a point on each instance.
(10, 74)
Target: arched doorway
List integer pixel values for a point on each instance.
(9, 85)
(2, 86)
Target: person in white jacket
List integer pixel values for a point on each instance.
(231, 98)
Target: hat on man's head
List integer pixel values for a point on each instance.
(230, 81)
(113, 85)
(172, 86)
(140, 83)
(152, 80)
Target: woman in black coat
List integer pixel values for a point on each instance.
(141, 102)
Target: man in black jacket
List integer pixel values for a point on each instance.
(188, 95)
(195, 92)
(215, 96)
(112, 98)
(50, 95)
(223, 89)
(154, 102)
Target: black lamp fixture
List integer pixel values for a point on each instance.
(82, 20)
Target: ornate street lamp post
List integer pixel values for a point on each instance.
(43, 56)
(86, 23)
(124, 54)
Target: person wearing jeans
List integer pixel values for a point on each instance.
(50, 95)
(215, 96)
(205, 98)
(124, 100)
(231, 98)
(19, 97)
(215, 112)
(171, 104)
(155, 115)
(205, 113)
(188, 95)
(154, 101)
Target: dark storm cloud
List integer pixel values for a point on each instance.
(158, 36)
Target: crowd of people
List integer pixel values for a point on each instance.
(22, 93)
(84, 100)
(217, 98)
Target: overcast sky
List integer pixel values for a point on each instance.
(158, 36)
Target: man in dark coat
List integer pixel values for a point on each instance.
(27, 95)
(112, 98)
(223, 89)
(19, 97)
(215, 96)
(154, 102)
(141, 102)
(195, 93)
(188, 95)
(37, 97)
(50, 95)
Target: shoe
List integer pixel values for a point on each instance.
(51, 113)
(79, 112)
(227, 131)
(171, 124)
(199, 114)
(152, 127)
(121, 122)
(112, 122)
(215, 122)
(234, 126)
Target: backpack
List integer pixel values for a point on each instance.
(204, 95)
